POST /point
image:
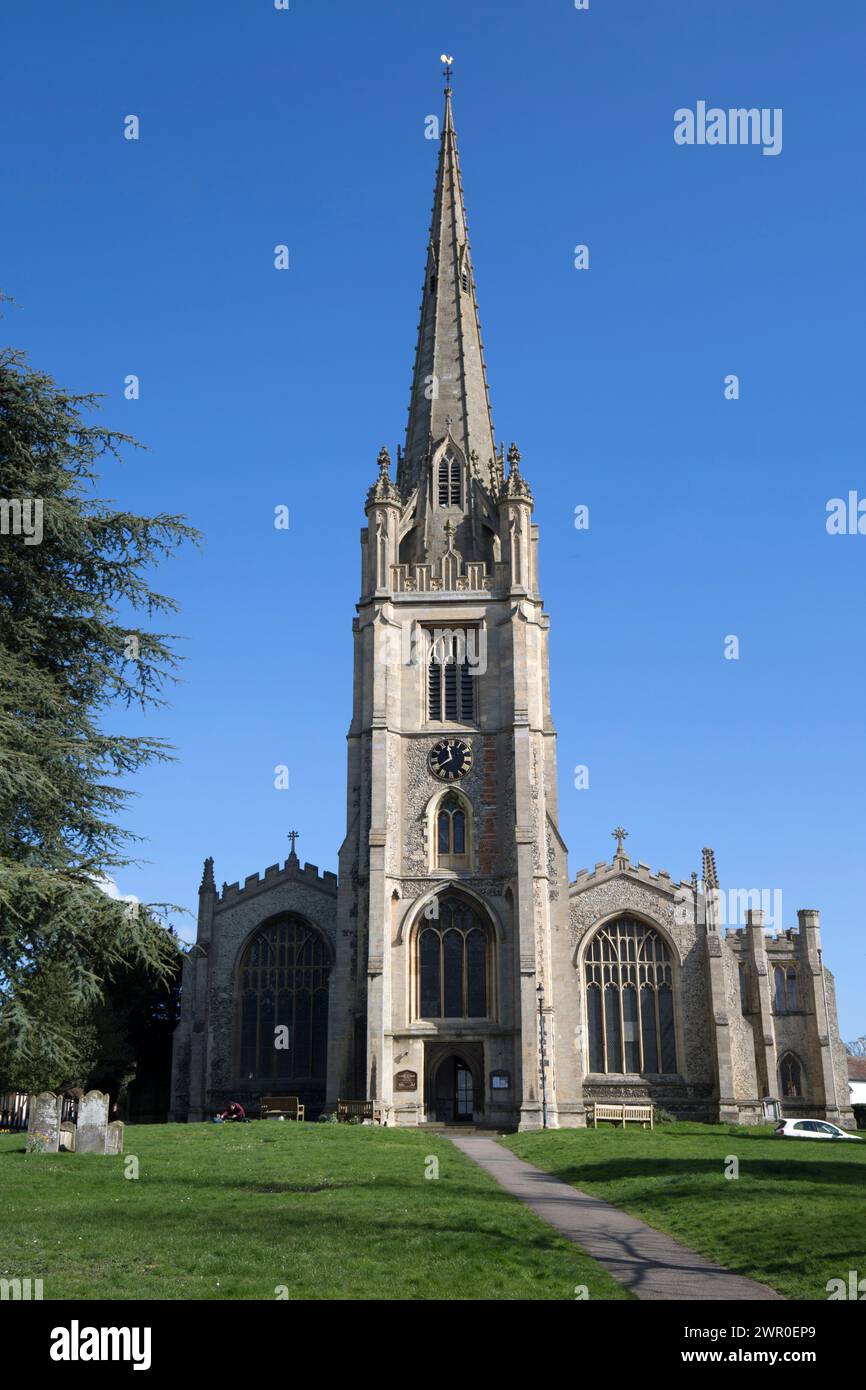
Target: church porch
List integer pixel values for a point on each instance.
(462, 1080)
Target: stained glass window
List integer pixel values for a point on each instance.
(630, 1000)
(451, 850)
(453, 963)
(283, 999)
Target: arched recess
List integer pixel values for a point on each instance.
(630, 971)
(282, 980)
(792, 1077)
(411, 544)
(449, 862)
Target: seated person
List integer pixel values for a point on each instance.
(233, 1111)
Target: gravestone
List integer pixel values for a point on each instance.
(92, 1123)
(67, 1136)
(43, 1123)
(114, 1137)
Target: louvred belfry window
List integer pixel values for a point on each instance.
(450, 490)
(283, 981)
(450, 683)
(630, 1000)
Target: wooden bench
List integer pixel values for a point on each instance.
(350, 1109)
(621, 1114)
(282, 1107)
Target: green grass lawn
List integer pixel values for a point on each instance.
(794, 1218)
(235, 1211)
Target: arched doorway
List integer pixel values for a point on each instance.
(452, 1097)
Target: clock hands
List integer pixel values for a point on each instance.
(450, 759)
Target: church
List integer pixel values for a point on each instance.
(451, 971)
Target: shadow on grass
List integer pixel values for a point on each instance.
(354, 1234)
(445, 1190)
(302, 1187)
(789, 1170)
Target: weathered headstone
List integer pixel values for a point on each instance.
(43, 1123)
(67, 1136)
(92, 1123)
(114, 1137)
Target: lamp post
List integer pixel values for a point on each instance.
(543, 1058)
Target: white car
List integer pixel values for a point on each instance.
(812, 1129)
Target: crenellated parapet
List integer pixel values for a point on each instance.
(275, 874)
(588, 878)
(786, 942)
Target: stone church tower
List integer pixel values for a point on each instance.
(453, 881)
(450, 972)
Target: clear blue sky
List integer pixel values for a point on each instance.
(260, 388)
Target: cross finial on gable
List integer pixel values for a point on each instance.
(293, 835)
(619, 835)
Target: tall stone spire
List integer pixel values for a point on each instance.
(449, 384)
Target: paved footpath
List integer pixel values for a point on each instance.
(649, 1263)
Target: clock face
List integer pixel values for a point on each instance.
(450, 759)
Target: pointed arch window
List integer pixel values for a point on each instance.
(283, 978)
(791, 1077)
(786, 988)
(453, 963)
(630, 1000)
(450, 482)
(452, 833)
